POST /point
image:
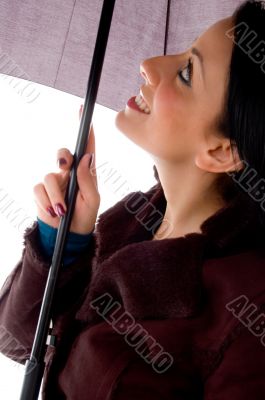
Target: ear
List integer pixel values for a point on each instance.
(220, 157)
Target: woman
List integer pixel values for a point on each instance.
(164, 299)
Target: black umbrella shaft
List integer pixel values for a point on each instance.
(35, 365)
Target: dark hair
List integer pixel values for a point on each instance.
(243, 116)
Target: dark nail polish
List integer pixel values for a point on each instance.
(59, 209)
(51, 211)
(62, 161)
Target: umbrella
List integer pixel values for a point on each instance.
(53, 45)
(51, 42)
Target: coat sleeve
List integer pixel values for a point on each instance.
(22, 293)
(241, 374)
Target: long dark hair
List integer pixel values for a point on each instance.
(243, 117)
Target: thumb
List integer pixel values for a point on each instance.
(81, 111)
(86, 180)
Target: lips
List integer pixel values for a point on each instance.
(131, 103)
(138, 104)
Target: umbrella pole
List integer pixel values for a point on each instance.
(35, 365)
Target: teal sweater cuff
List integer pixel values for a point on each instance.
(74, 245)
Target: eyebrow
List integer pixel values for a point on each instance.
(197, 53)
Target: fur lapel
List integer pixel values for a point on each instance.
(163, 278)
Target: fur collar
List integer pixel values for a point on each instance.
(161, 278)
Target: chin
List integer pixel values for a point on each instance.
(123, 125)
(118, 120)
(132, 132)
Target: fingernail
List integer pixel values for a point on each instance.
(62, 161)
(51, 212)
(91, 159)
(60, 211)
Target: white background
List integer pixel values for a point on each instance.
(30, 134)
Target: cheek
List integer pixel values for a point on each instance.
(172, 114)
(166, 101)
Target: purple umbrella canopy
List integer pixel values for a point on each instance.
(52, 41)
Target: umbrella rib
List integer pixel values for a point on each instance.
(167, 26)
(66, 36)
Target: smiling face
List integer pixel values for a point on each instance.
(185, 94)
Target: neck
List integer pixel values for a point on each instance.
(191, 199)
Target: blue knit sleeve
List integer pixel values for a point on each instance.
(75, 243)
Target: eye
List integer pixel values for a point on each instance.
(186, 74)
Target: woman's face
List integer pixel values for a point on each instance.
(184, 99)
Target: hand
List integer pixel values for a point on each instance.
(49, 195)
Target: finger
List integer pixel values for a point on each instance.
(90, 148)
(64, 159)
(42, 200)
(81, 111)
(87, 182)
(55, 185)
(93, 169)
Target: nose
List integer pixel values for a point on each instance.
(156, 68)
(150, 71)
